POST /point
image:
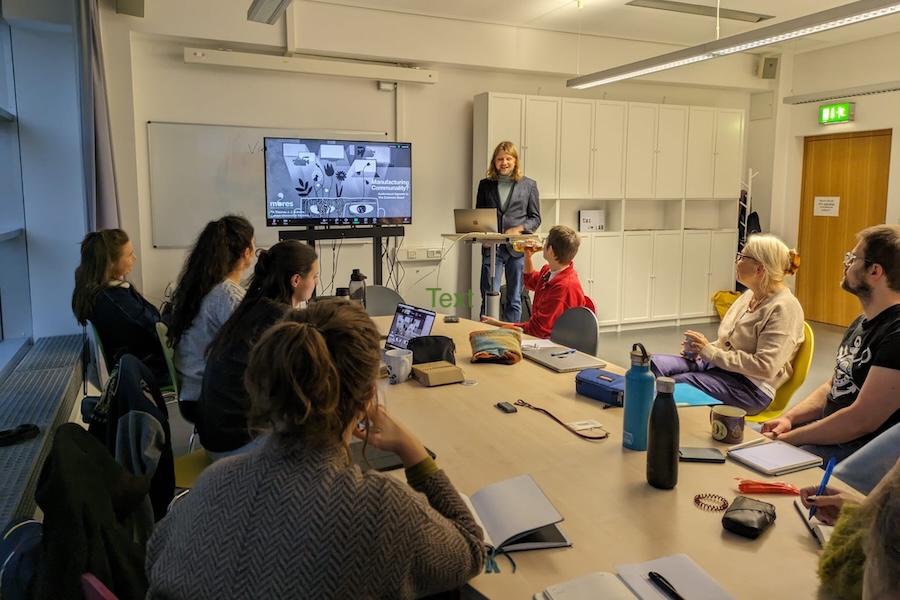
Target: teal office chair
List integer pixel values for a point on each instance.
(101, 361)
(187, 409)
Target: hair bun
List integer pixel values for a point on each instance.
(794, 262)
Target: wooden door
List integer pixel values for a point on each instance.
(855, 168)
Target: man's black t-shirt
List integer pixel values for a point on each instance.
(866, 344)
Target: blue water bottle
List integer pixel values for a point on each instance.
(640, 386)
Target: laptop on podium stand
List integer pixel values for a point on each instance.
(475, 220)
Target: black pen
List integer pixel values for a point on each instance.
(667, 588)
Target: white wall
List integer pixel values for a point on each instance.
(149, 81)
(830, 69)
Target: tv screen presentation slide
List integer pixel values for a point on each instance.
(322, 182)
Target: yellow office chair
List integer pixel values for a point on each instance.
(188, 468)
(801, 364)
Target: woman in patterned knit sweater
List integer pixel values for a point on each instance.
(295, 518)
(757, 339)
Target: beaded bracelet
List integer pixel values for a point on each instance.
(711, 502)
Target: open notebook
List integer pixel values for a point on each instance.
(632, 581)
(516, 515)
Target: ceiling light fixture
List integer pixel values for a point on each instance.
(700, 10)
(848, 14)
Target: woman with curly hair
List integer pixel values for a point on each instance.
(208, 290)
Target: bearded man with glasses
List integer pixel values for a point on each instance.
(861, 400)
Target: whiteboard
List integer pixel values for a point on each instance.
(198, 173)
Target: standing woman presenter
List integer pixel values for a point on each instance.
(518, 206)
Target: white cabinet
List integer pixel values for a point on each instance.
(540, 151)
(496, 118)
(608, 165)
(729, 153)
(652, 275)
(715, 144)
(575, 148)
(707, 267)
(656, 151)
(592, 149)
(666, 274)
(668, 177)
(640, 151)
(604, 284)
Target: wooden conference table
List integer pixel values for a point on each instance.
(611, 514)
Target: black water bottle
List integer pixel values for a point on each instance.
(663, 437)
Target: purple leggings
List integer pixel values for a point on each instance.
(731, 388)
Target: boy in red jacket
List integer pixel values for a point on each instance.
(556, 287)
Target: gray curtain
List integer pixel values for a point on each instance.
(100, 176)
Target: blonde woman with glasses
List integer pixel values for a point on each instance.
(757, 339)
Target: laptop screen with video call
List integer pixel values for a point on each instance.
(409, 322)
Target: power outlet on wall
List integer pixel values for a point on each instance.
(419, 254)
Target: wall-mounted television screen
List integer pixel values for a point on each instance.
(336, 182)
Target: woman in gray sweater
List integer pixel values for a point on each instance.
(294, 518)
(757, 339)
(208, 290)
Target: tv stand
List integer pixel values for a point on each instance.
(377, 233)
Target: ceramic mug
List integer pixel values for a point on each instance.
(399, 364)
(727, 423)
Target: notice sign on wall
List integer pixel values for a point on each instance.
(826, 206)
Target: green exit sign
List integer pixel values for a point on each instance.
(836, 113)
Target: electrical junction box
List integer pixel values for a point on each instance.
(591, 220)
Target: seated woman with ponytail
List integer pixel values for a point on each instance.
(285, 275)
(125, 321)
(757, 339)
(294, 517)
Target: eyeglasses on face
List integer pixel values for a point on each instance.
(738, 257)
(850, 258)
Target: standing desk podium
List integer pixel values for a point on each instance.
(492, 299)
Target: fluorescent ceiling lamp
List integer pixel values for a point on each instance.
(832, 18)
(700, 9)
(860, 90)
(225, 58)
(267, 11)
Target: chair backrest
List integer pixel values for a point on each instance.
(577, 328)
(94, 589)
(100, 358)
(801, 364)
(381, 300)
(162, 333)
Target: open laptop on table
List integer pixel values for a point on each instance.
(409, 322)
(475, 220)
(562, 359)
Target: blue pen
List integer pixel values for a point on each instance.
(563, 353)
(828, 469)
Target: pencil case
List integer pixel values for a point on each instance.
(748, 517)
(601, 385)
